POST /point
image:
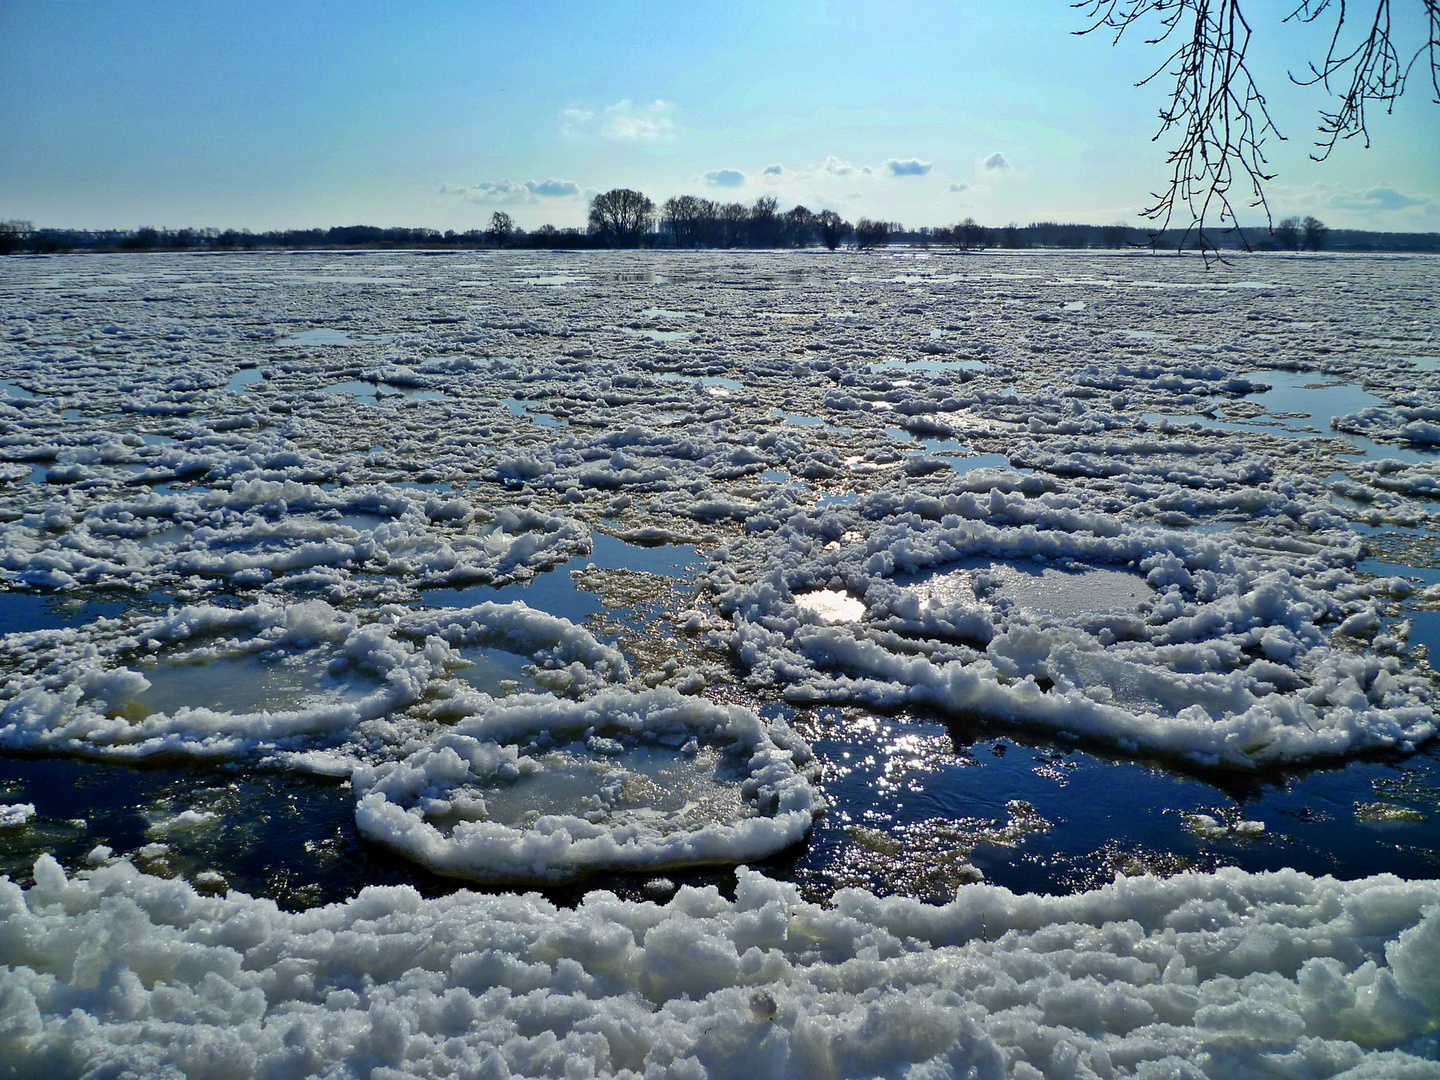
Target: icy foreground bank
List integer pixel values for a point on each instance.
(116, 973)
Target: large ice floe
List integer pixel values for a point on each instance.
(534, 789)
(1030, 610)
(605, 574)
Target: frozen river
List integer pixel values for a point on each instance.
(899, 571)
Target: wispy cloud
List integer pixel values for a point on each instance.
(957, 187)
(908, 167)
(727, 178)
(1381, 197)
(513, 191)
(576, 121)
(1382, 206)
(624, 121)
(629, 122)
(997, 162)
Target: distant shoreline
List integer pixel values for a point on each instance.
(1038, 236)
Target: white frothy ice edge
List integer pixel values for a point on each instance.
(395, 799)
(74, 695)
(569, 658)
(1205, 976)
(259, 530)
(1229, 663)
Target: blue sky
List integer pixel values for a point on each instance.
(263, 115)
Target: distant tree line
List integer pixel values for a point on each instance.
(627, 218)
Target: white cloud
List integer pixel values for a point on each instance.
(513, 191)
(909, 167)
(644, 123)
(773, 170)
(729, 178)
(958, 187)
(834, 166)
(997, 162)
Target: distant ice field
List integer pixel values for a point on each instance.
(900, 571)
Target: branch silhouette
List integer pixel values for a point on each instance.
(1220, 113)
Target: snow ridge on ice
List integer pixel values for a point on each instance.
(1202, 975)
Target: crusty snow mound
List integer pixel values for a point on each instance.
(115, 973)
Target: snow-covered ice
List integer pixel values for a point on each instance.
(112, 972)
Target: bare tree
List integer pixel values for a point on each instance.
(13, 234)
(502, 227)
(869, 234)
(1114, 236)
(833, 229)
(683, 216)
(1220, 112)
(1315, 234)
(733, 219)
(621, 217)
(799, 227)
(1287, 233)
(967, 233)
(765, 223)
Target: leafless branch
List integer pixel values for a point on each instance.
(1220, 113)
(1375, 69)
(1215, 104)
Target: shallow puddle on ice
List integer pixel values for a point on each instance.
(804, 420)
(9, 388)
(831, 605)
(934, 364)
(241, 379)
(1040, 588)
(557, 593)
(782, 476)
(517, 407)
(656, 335)
(662, 788)
(247, 683)
(1320, 397)
(494, 671)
